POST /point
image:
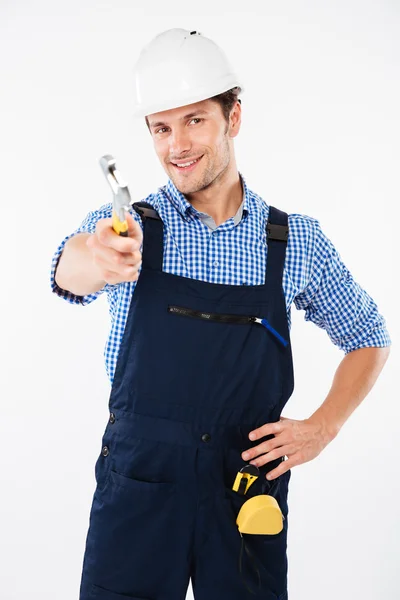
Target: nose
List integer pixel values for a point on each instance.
(179, 144)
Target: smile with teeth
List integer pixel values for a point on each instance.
(186, 165)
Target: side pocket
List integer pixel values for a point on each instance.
(102, 472)
(139, 484)
(105, 458)
(280, 491)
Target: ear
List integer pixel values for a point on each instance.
(235, 119)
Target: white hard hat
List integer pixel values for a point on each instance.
(179, 67)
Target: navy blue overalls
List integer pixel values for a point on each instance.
(195, 374)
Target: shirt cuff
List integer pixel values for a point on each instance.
(65, 294)
(377, 337)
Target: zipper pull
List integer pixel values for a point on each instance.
(268, 326)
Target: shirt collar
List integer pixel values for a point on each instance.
(179, 201)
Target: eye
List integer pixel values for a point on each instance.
(194, 119)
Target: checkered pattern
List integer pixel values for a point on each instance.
(314, 279)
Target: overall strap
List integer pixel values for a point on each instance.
(153, 236)
(277, 236)
(153, 240)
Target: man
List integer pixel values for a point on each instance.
(199, 354)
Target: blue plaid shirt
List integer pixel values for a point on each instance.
(234, 253)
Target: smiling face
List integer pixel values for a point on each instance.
(198, 132)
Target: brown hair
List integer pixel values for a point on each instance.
(226, 100)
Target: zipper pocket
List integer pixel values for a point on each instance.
(238, 319)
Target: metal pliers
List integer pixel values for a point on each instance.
(122, 198)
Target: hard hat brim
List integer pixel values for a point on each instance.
(191, 98)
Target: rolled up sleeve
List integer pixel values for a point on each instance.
(88, 225)
(334, 301)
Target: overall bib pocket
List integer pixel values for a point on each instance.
(226, 318)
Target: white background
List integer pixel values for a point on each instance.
(320, 136)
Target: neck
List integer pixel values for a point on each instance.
(221, 199)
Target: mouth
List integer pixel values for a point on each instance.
(190, 167)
